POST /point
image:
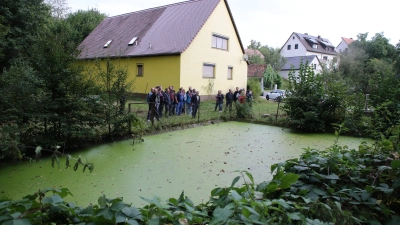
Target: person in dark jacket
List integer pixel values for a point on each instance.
(153, 108)
(167, 100)
(235, 94)
(148, 102)
(195, 103)
(229, 99)
(173, 102)
(162, 101)
(219, 100)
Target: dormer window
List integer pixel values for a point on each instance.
(315, 46)
(107, 44)
(133, 41)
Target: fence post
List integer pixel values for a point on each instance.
(129, 122)
(277, 110)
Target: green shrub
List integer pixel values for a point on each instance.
(254, 85)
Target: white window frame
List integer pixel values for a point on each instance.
(220, 42)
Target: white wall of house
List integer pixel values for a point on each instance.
(324, 58)
(342, 46)
(284, 74)
(318, 69)
(293, 40)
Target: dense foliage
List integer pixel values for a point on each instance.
(272, 77)
(333, 186)
(372, 67)
(308, 107)
(253, 85)
(46, 98)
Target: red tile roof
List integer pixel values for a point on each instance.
(251, 52)
(348, 40)
(256, 70)
(164, 30)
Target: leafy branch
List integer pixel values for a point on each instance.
(55, 158)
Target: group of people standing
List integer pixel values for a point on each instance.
(174, 102)
(168, 102)
(230, 97)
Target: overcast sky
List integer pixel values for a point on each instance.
(272, 21)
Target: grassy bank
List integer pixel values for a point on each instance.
(263, 111)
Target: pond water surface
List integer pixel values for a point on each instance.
(194, 160)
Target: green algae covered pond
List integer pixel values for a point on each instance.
(192, 160)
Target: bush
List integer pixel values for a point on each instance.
(312, 103)
(254, 85)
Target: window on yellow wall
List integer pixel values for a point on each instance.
(230, 72)
(219, 41)
(139, 70)
(208, 70)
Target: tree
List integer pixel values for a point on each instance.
(68, 114)
(361, 62)
(255, 45)
(3, 32)
(380, 48)
(20, 22)
(271, 77)
(59, 8)
(114, 85)
(20, 100)
(256, 59)
(308, 106)
(83, 23)
(273, 57)
(372, 67)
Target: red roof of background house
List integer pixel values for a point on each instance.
(251, 52)
(256, 70)
(348, 40)
(164, 30)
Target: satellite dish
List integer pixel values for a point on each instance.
(245, 57)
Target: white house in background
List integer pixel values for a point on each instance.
(306, 45)
(344, 44)
(294, 63)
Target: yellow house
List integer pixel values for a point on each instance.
(192, 43)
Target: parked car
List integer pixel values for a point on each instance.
(275, 94)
